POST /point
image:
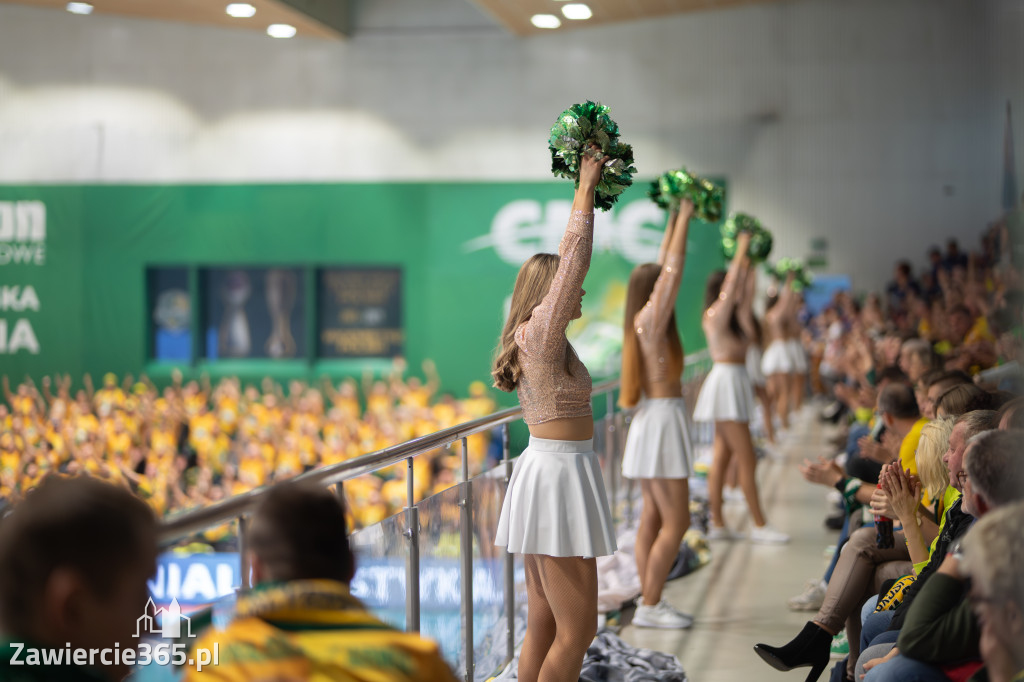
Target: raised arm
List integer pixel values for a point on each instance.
(787, 297)
(733, 283)
(433, 379)
(90, 390)
(666, 288)
(544, 333)
(667, 238)
(745, 310)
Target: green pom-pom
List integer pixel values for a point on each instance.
(576, 129)
(669, 190)
(801, 278)
(760, 238)
(657, 197)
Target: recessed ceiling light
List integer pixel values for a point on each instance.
(545, 21)
(280, 30)
(241, 10)
(79, 8)
(576, 11)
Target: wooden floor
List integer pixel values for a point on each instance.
(739, 599)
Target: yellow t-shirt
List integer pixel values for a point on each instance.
(908, 452)
(908, 448)
(979, 332)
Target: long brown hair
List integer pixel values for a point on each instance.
(532, 285)
(641, 284)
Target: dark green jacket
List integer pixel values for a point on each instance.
(940, 627)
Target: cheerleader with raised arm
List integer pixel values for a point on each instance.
(755, 332)
(727, 399)
(555, 511)
(658, 451)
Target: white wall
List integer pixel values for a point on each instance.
(877, 124)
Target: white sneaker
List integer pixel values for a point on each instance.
(810, 599)
(720, 533)
(766, 535)
(733, 495)
(663, 615)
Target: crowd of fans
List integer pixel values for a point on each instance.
(926, 382)
(194, 443)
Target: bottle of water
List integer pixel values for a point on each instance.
(883, 532)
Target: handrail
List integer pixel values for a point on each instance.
(237, 508)
(191, 522)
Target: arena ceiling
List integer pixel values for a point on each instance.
(334, 19)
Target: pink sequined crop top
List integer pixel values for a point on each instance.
(545, 390)
(651, 324)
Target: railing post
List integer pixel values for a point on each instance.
(412, 560)
(466, 556)
(609, 439)
(510, 562)
(630, 484)
(243, 551)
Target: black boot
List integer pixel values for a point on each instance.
(811, 647)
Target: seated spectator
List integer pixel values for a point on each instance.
(300, 622)
(1011, 416)
(916, 359)
(961, 399)
(940, 630)
(75, 556)
(862, 566)
(993, 553)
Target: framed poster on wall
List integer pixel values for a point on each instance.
(169, 304)
(359, 312)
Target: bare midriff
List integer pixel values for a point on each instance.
(567, 428)
(725, 347)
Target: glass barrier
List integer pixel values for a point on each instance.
(380, 580)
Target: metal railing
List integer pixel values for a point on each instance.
(612, 431)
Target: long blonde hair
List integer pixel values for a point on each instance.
(930, 468)
(641, 284)
(532, 285)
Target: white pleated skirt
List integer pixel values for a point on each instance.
(658, 444)
(556, 502)
(777, 358)
(754, 371)
(725, 396)
(797, 356)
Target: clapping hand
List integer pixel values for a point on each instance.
(880, 505)
(822, 472)
(903, 490)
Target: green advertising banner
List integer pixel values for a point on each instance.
(108, 278)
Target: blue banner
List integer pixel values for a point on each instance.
(195, 579)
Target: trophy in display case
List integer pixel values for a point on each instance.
(235, 339)
(281, 286)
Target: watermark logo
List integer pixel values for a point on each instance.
(170, 621)
(22, 233)
(166, 623)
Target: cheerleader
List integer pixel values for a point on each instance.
(658, 451)
(779, 364)
(555, 510)
(727, 399)
(755, 332)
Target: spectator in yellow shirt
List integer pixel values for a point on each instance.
(301, 622)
